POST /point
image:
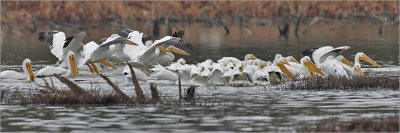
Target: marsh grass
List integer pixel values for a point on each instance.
(67, 97)
(388, 124)
(342, 83)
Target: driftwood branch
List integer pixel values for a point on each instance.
(180, 87)
(138, 90)
(154, 93)
(190, 93)
(74, 87)
(119, 92)
(47, 86)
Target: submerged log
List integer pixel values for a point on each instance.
(154, 93)
(119, 92)
(138, 90)
(284, 31)
(74, 87)
(190, 93)
(180, 87)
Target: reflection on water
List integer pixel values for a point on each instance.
(212, 42)
(222, 109)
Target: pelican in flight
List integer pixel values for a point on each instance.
(142, 40)
(60, 45)
(50, 70)
(27, 75)
(160, 51)
(100, 53)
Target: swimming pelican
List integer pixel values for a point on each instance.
(305, 69)
(183, 70)
(267, 75)
(162, 75)
(50, 70)
(60, 45)
(224, 61)
(28, 74)
(140, 75)
(216, 75)
(356, 68)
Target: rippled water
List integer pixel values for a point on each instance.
(217, 108)
(221, 109)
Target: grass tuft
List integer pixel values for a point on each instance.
(342, 83)
(389, 124)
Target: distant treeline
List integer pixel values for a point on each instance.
(94, 12)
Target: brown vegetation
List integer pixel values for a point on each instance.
(92, 12)
(342, 83)
(389, 124)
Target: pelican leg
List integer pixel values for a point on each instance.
(95, 68)
(107, 63)
(313, 76)
(91, 69)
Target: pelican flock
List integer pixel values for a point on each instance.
(153, 61)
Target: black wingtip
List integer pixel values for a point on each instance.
(179, 33)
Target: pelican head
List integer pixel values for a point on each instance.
(310, 66)
(363, 57)
(173, 49)
(344, 60)
(357, 67)
(72, 67)
(280, 63)
(278, 56)
(250, 57)
(27, 67)
(181, 61)
(291, 58)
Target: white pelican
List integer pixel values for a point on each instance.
(196, 76)
(100, 53)
(159, 52)
(306, 69)
(356, 69)
(291, 60)
(267, 75)
(183, 70)
(217, 71)
(28, 74)
(320, 54)
(140, 75)
(224, 61)
(332, 67)
(344, 60)
(280, 63)
(50, 70)
(272, 74)
(60, 45)
(162, 75)
(123, 53)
